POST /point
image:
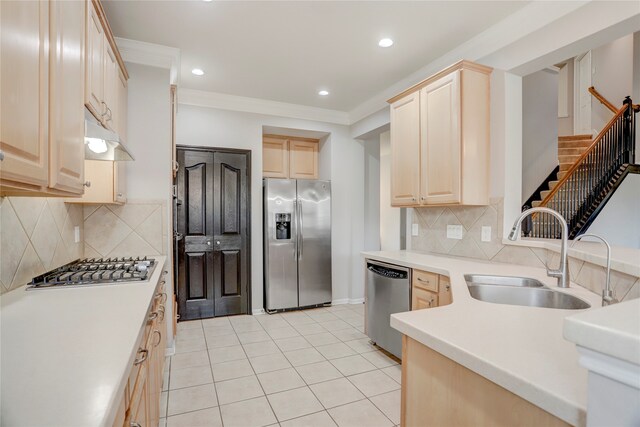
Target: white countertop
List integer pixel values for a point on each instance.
(614, 330)
(66, 353)
(519, 348)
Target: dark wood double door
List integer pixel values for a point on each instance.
(213, 240)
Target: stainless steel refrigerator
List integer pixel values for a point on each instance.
(297, 243)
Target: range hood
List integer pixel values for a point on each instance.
(101, 143)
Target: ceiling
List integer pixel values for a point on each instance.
(288, 51)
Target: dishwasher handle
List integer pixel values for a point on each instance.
(392, 273)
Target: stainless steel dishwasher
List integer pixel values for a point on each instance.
(388, 289)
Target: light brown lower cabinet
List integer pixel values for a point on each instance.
(429, 290)
(436, 391)
(141, 398)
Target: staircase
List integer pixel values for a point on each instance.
(589, 171)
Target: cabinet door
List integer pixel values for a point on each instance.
(138, 413)
(421, 298)
(153, 380)
(111, 85)
(66, 91)
(94, 70)
(440, 141)
(120, 182)
(405, 150)
(275, 158)
(122, 104)
(444, 295)
(24, 91)
(303, 159)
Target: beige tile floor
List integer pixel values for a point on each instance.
(304, 368)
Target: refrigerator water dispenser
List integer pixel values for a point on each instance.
(283, 226)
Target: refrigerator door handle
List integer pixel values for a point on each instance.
(300, 226)
(295, 223)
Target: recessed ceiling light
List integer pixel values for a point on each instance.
(207, 0)
(385, 43)
(197, 72)
(323, 93)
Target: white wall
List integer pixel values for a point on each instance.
(612, 76)
(210, 127)
(619, 221)
(565, 124)
(539, 129)
(389, 216)
(149, 141)
(372, 194)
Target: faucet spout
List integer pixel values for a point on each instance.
(562, 274)
(607, 293)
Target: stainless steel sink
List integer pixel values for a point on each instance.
(520, 291)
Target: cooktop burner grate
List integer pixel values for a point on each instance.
(92, 271)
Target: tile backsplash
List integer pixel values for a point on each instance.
(36, 235)
(432, 238)
(134, 229)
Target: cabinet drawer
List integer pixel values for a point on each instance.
(425, 280)
(421, 298)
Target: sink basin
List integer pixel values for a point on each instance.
(520, 291)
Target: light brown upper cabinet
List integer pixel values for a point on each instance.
(303, 159)
(104, 70)
(106, 183)
(405, 157)
(42, 120)
(275, 157)
(288, 157)
(440, 139)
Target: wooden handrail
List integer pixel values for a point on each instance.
(602, 99)
(591, 147)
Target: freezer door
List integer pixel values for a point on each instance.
(314, 242)
(280, 244)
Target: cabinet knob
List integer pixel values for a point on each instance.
(413, 199)
(119, 194)
(1, 155)
(87, 184)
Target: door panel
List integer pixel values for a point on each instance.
(314, 242)
(280, 247)
(24, 85)
(405, 151)
(230, 229)
(66, 119)
(195, 223)
(440, 141)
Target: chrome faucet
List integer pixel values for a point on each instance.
(607, 293)
(562, 274)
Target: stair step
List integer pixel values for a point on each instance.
(574, 144)
(552, 184)
(536, 203)
(568, 159)
(575, 137)
(570, 151)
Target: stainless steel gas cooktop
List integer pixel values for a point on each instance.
(94, 271)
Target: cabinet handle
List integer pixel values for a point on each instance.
(119, 194)
(447, 287)
(153, 316)
(163, 296)
(109, 114)
(134, 424)
(1, 155)
(159, 337)
(165, 272)
(145, 354)
(161, 310)
(104, 104)
(423, 281)
(87, 184)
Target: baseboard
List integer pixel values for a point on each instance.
(347, 301)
